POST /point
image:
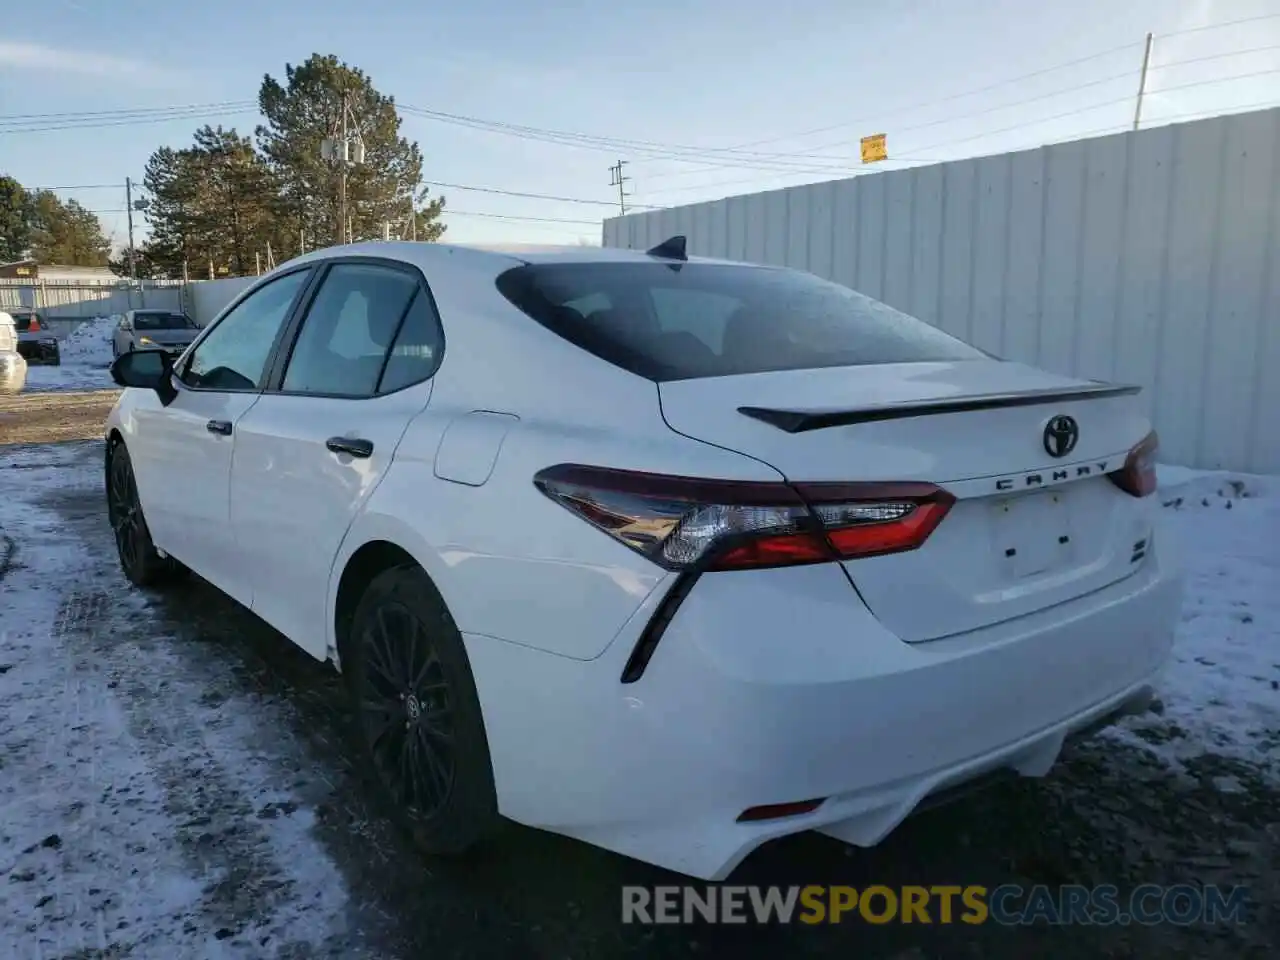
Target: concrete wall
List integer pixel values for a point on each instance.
(1150, 257)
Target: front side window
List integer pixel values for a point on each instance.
(234, 354)
(690, 320)
(349, 330)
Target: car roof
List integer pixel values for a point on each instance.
(498, 256)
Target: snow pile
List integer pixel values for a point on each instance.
(90, 343)
(1221, 692)
(86, 357)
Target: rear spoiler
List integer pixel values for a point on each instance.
(801, 421)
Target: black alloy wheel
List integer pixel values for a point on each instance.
(407, 710)
(418, 713)
(139, 559)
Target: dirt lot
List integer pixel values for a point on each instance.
(54, 417)
(175, 736)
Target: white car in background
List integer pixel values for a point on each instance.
(671, 555)
(13, 367)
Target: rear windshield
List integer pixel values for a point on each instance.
(691, 320)
(22, 321)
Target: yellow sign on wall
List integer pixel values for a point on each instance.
(873, 148)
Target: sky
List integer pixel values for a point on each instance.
(669, 87)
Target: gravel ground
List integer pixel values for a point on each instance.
(216, 809)
(47, 417)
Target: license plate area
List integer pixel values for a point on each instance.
(1032, 533)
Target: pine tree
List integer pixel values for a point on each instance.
(307, 109)
(15, 220)
(64, 232)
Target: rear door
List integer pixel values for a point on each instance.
(317, 443)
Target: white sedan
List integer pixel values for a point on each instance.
(671, 555)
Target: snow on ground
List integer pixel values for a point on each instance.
(1221, 692)
(86, 357)
(145, 813)
(136, 818)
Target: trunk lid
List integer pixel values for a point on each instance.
(1028, 530)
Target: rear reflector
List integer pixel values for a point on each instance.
(776, 811)
(689, 523)
(1138, 475)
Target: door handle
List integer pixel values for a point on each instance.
(220, 427)
(350, 445)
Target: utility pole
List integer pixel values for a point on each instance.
(1142, 83)
(616, 179)
(342, 217)
(345, 147)
(413, 220)
(128, 205)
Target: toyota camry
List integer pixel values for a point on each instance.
(670, 555)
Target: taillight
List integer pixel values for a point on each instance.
(1138, 475)
(687, 523)
(34, 325)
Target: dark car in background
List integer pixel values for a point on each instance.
(168, 330)
(36, 343)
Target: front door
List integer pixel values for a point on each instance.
(183, 452)
(312, 450)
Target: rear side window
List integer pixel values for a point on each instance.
(692, 320)
(349, 330)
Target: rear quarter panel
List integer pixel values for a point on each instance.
(510, 563)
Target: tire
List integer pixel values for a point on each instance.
(418, 715)
(140, 561)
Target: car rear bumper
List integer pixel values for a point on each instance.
(775, 687)
(13, 372)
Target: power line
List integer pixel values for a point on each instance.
(1219, 26)
(134, 121)
(706, 167)
(988, 133)
(83, 186)
(1026, 76)
(132, 111)
(948, 99)
(510, 216)
(518, 193)
(1099, 131)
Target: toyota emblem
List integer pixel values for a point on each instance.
(1061, 434)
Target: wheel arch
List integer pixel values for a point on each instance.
(376, 543)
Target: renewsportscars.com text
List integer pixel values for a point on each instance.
(1008, 905)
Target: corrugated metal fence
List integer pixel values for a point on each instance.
(1150, 257)
(85, 299)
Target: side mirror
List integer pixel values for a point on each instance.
(147, 370)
